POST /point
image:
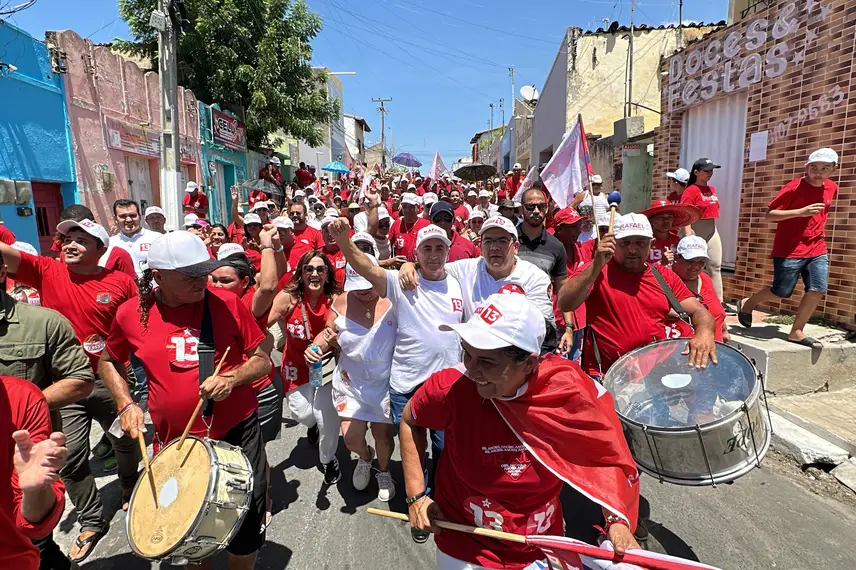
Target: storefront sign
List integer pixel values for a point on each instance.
(736, 61)
(188, 151)
(228, 131)
(132, 138)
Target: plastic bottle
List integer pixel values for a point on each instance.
(316, 374)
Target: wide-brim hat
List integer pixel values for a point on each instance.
(684, 213)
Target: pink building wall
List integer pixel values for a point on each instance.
(101, 84)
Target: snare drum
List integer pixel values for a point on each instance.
(688, 426)
(203, 493)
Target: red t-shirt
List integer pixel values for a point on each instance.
(89, 302)
(801, 238)
(295, 371)
(337, 258)
(461, 214)
(402, 236)
(247, 300)
(120, 260)
(24, 408)
(704, 198)
(254, 196)
(487, 477)
(195, 205)
(236, 234)
(659, 246)
(167, 349)
(462, 248)
(583, 254)
(513, 184)
(293, 253)
(676, 328)
(309, 236)
(626, 311)
(304, 177)
(6, 235)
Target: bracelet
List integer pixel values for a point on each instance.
(125, 408)
(612, 520)
(410, 500)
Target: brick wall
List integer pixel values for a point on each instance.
(811, 104)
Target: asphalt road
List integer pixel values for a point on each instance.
(767, 519)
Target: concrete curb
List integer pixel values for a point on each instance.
(803, 446)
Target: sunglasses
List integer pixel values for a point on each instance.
(536, 205)
(443, 218)
(319, 269)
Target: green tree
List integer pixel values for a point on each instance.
(255, 53)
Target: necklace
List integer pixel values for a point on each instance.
(368, 311)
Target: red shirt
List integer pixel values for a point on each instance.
(6, 235)
(195, 204)
(337, 258)
(295, 371)
(801, 238)
(24, 408)
(309, 236)
(704, 198)
(247, 300)
(120, 260)
(236, 234)
(402, 236)
(676, 328)
(487, 477)
(657, 255)
(254, 196)
(167, 349)
(88, 301)
(293, 254)
(304, 177)
(461, 214)
(674, 198)
(275, 178)
(626, 311)
(583, 253)
(513, 184)
(462, 248)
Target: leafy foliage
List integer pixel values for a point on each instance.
(255, 53)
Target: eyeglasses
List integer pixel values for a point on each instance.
(501, 243)
(443, 218)
(383, 223)
(365, 248)
(319, 269)
(536, 205)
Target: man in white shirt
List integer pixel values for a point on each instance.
(156, 219)
(132, 236)
(601, 202)
(490, 210)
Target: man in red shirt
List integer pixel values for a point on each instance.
(163, 329)
(800, 209)
(462, 214)
(460, 247)
(195, 202)
(32, 497)
(513, 182)
(303, 177)
(271, 173)
(303, 232)
(568, 225)
(664, 217)
(402, 235)
(332, 251)
(116, 258)
(518, 427)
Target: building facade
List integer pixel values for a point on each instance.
(224, 156)
(355, 137)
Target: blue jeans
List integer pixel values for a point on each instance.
(397, 402)
(787, 271)
(577, 347)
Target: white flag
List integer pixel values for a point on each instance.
(567, 172)
(437, 167)
(528, 182)
(367, 179)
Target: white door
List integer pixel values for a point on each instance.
(139, 181)
(717, 130)
(185, 176)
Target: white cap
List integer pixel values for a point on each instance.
(823, 155)
(327, 219)
(260, 206)
(476, 213)
(432, 232)
(228, 249)
(411, 186)
(25, 247)
(190, 219)
(500, 222)
(353, 206)
(602, 219)
(331, 213)
(692, 247)
(275, 160)
(517, 205)
(516, 166)
(472, 193)
(382, 214)
(283, 223)
(312, 199)
(299, 193)
(484, 194)
(191, 186)
(410, 198)
(356, 282)
(337, 187)
(183, 252)
(503, 320)
(90, 227)
(154, 210)
(680, 174)
(429, 198)
(632, 225)
(364, 237)
(496, 180)
(596, 179)
(252, 219)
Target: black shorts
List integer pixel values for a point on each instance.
(251, 535)
(270, 409)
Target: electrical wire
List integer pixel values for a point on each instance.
(18, 8)
(102, 27)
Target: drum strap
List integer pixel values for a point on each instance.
(206, 350)
(670, 295)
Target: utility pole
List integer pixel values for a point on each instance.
(502, 109)
(680, 24)
(170, 151)
(490, 146)
(513, 92)
(628, 107)
(382, 110)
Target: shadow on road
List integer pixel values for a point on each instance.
(272, 556)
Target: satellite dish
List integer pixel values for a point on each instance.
(529, 93)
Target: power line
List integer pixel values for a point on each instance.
(102, 27)
(18, 8)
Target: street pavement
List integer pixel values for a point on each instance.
(764, 520)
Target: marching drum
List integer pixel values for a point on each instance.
(203, 493)
(689, 426)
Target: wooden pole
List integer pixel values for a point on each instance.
(499, 535)
(149, 473)
(201, 401)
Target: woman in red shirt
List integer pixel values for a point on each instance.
(302, 309)
(218, 235)
(703, 196)
(665, 218)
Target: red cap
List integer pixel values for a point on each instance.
(567, 216)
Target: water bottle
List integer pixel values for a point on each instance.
(316, 375)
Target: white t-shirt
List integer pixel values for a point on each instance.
(601, 203)
(422, 348)
(477, 284)
(492, 210)
(137, 245)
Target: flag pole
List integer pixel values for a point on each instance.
(588, 175)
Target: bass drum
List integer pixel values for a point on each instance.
(688, 426)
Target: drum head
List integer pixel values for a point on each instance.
(182, 491)
(655, 385)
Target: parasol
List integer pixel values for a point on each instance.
(396, 169)
(263, 185)
(406, 159)
(336, 167)
(475, 172)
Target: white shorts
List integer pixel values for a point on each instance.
(446, 562)
(349, 406)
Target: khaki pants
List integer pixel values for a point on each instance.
(706, 229)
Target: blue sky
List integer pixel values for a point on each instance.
(442, 62)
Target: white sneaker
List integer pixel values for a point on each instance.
(385, 486)
(363, 472)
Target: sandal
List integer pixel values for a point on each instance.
(745, 319)
(807, 341)
(86, 545)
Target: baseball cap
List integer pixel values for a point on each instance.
(283, 223)
(228, 249)
(823, 155)
(154, 210)
(25, 247)
(596, 179)
(356, 282)
(327, 219)
(432, 232)
(331, 212)
(680, 174)
(411, 186)
(410, 198)
(353, 206)
(190, 219)
(506, 204)
(382, 214)
(476, 213)
(191, 186)
(275, 160)
(364, 237)
(183, 252)
(90, 227)
(484, 194)
(252, 219)
(429, 198)
(503, 320)
(260, 206)
(692, 247)
(439, 207)
(566, 217)
(472, 193)
(632, 225)
(516, 166)
(299, 193)
(704, 164)
(500, 222)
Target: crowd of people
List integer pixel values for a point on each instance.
(479, 315)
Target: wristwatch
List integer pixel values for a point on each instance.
(280, 250)
(410, 500)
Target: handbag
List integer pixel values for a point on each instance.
(328, 360)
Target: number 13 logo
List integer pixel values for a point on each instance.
(486, 513)
(182, 348)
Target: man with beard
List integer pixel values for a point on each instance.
(462, 214)
(303, 233)
(442, 216)
(132, 236)
(404, 230)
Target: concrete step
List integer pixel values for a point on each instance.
(829, 415)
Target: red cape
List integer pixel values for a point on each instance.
(567, 421)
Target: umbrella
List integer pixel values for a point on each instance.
(263, 185)
(475, 172)
(336, 167)
(396, 169)
(406, 159)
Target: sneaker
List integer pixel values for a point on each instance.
(103, 449)
(111, 465)
(419, 536)
(363, 472)
(312, 435)
(332, 473)
(385, 486)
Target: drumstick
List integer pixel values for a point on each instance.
(141, 438)
(499, 535)
(201, 401)
(614, 200)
